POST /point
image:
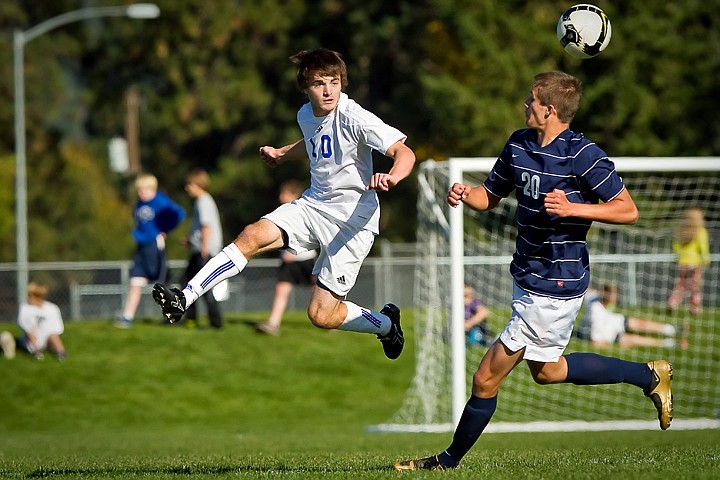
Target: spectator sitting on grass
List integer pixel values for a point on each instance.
(608, 327)
(42, 324)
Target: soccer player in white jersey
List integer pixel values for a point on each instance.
(339, 214)
(562, 182)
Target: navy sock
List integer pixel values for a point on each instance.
(476, 416)
(594, 369)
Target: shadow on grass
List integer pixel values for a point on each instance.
(124, 472)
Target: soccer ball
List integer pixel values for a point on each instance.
(584, 30)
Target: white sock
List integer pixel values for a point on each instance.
(669, 330)
(362, 320)
(669, 342)
(228, 263)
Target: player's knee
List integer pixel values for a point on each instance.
(541, 379)
(484, 385)
(547, 377)
(321, 317)
(247, 241)
(248, 234)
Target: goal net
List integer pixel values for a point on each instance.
(458, 247)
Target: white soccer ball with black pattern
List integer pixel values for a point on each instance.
(584, 30)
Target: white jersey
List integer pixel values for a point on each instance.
(340, 147)
(41, 321)
(605, 326)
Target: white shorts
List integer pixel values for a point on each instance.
(541, 325)
(343, 247)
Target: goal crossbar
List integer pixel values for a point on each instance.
(435, 179)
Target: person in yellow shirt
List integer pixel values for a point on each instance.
(692, 247)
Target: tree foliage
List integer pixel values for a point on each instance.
(215, 84)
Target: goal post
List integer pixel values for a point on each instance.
(458, 247)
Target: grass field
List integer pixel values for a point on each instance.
(159, 402)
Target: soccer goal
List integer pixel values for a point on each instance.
(458, 247)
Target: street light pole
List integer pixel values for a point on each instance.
(21, 238)
(20, 39)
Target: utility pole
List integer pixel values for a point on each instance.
(132, 129)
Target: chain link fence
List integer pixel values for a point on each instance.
(97, 290)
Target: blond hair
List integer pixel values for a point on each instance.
(37, 289)
(146, 180)
(689, 226)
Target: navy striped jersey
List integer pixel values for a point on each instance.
(551, 256)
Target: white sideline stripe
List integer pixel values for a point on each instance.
(572, 426)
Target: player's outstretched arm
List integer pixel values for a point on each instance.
(620, 210)
(275, 156)
(477, 198)
(402, 166)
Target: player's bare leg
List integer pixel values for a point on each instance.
(326, 309)
(329, 310)
(259, 237)
(495, 366)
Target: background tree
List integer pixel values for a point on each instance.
(215, 84)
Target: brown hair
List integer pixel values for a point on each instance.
(560, 90)
(609, 293)
(320, 61)
(199, 177)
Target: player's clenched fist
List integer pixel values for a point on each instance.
(271, 156)
(382, 182)
(458, 192)
(557, 203)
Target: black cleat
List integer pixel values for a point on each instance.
(171, 300)
(429, 463)
(394, 341)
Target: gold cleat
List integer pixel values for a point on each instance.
(660, 391)
(429, 463)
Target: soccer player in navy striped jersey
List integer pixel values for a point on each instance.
(339, 214)
(562, 182)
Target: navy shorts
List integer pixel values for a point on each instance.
(149, 262)
(297, 273)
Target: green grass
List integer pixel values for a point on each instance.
(160, 402)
